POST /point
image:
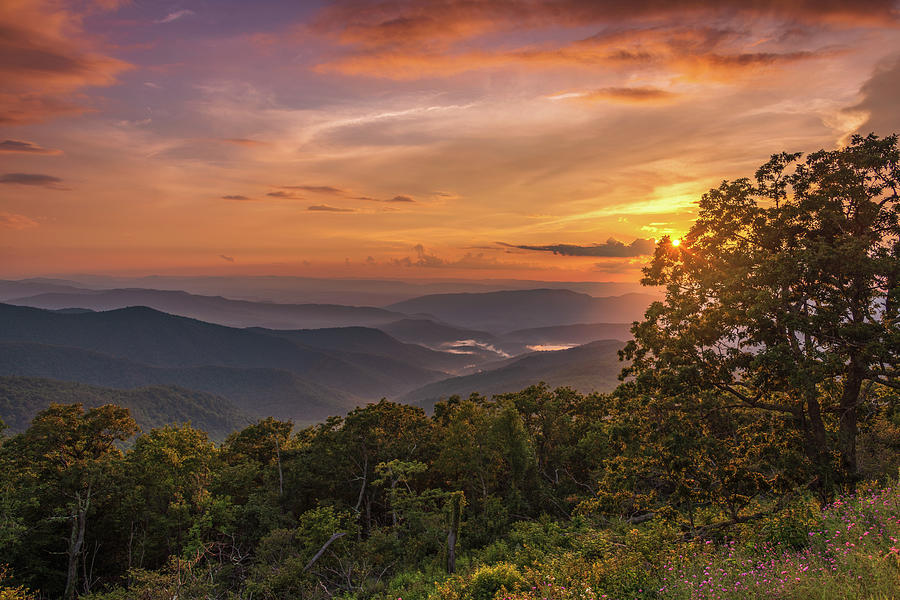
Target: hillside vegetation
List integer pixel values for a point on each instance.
(21, 398)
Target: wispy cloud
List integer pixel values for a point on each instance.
(226, 258)
(14, 221)
(327, 208)
(18, 146)
(626, 95)
(236, 197)
(284, 195)
(245, 142)
(612, 248)
(174, 16)
(32, 179)
(316, 189)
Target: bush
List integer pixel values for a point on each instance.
(482, 584)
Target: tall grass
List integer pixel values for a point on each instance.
(850, 549)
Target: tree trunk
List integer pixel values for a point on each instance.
(76, 541)
(848, 428)
(393, 495)
(817, 447)
(456, 504)
(280, 473)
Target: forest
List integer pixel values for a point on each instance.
(751, 449)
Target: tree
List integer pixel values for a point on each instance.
(168, 472)
(784, 297)
(64, 459)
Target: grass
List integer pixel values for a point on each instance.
(849, 549)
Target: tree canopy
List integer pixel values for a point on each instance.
(783, 297)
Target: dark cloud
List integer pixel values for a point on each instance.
(225, 257)
(284, 194)
(35, 179)
(396, 199)
(25, 147)
(315, 189)
(630, 94)
(881, 100)
(611, 249)
(236, 197)
(327, 208)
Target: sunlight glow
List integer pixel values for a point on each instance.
(676, 242)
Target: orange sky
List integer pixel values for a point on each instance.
(541, 139)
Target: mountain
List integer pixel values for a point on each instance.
(473, 346)
(215, 309)
(21, 398)
(432, 334)
(588, 368)
(150, 337)
(302, 290)
(30, 287)
(504, 311)
(373, 342)
(563, 335)
(255, 392)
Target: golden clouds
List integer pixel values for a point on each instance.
(687, 38)
(46, 60)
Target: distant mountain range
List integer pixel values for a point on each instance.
(201, 355)
(258, 359)
(505, 311)
(215, 309)
(21, 398)
(593, 367)
(312, 290)
(485, 313)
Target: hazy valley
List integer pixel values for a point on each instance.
(303, 361)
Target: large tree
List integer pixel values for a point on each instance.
(62, 465)
(784, 297)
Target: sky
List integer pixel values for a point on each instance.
(536, 139)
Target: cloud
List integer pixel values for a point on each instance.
(327, 208)
(284, 194)
(396, 199)
(629, 95)
(435, 38)
(612, 249)
(13, 221)
(236, 197)
(227, 258)
(880, 100)
(316, 189)
(427, 260)
(18, 146)
(47, 60)
(174, 16)
(33, 179)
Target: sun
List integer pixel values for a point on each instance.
(676, 242)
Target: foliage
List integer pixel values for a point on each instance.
(783, 297)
